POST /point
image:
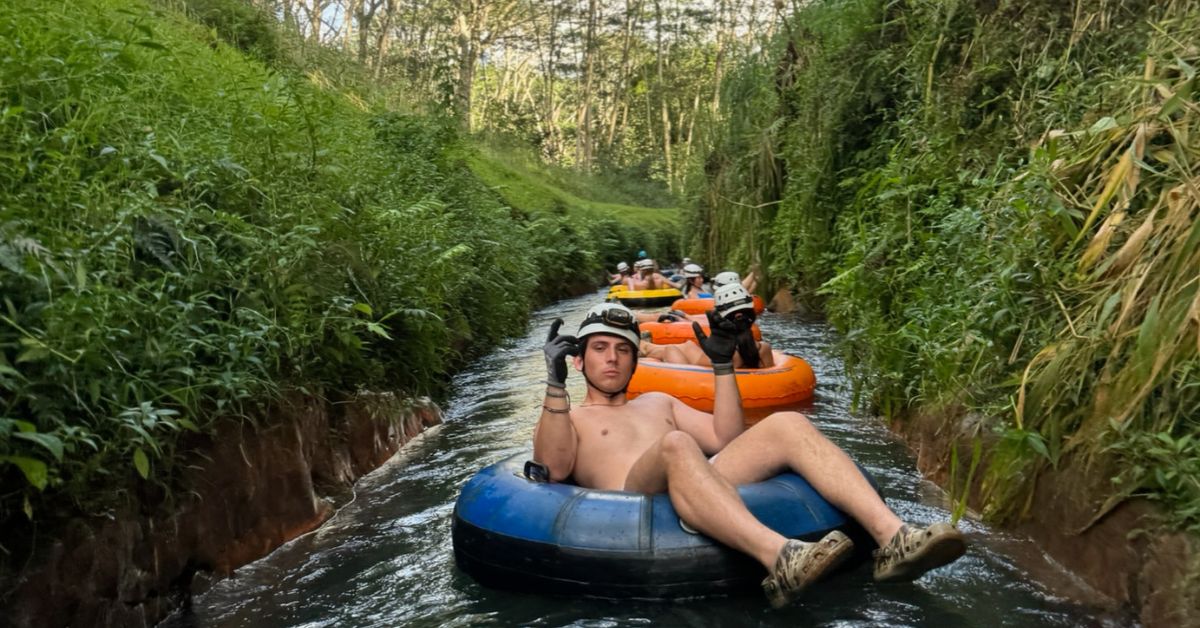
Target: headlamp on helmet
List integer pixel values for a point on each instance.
(611, 318)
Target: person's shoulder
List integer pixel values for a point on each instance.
(654, 398)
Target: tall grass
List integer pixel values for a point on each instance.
(997, 202)
(185, 231)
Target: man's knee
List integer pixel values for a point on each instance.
(788, 420)
(676, 444)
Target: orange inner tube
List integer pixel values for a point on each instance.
(679, 332)
(790, 381)
(700, 306)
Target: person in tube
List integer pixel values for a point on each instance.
(734, 305)
(657, 444)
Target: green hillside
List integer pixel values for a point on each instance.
(188, 229)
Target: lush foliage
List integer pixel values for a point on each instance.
(184, 232)
(581, 208)
(998, 203)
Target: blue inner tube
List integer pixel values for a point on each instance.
(512, 533)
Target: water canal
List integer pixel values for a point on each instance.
(386, 560)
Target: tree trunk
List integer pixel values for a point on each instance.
(549, 113)
(466, 30)
(466, 76)
(632, 9)
(583, 118)
(366, 17)
(353, 9)
(666, 116)
(384, 39)
(314, 19)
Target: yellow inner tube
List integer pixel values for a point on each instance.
(665, 293)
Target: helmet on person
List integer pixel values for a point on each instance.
(642, 254)
(725, 278)
(622, 267)
(692, 270)
(730, 298)
(644, 264)
(611, 318)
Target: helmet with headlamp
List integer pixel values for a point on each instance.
(611, 318)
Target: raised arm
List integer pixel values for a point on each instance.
(728, 419)
(700, 425)
(554, 439)
(674, 284)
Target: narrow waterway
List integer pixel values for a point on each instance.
(386, 560)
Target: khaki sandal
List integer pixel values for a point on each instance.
(800, 564)
(914, 551)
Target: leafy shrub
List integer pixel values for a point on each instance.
(241, 24)
(1012, 235)
(184, 233)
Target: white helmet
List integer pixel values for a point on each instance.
(644, 264)
(732, 297)
(622, 267)
(611, 318)
(725, 278)
(693, 270)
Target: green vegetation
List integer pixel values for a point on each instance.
(186, 231)
(997, 203)
(551, 193)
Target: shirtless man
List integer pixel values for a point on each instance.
(648, 278)
(734, 305)
(622, 276)
(655, 444)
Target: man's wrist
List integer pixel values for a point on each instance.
(556, 392)
(723, 368)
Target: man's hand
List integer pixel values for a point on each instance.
(720, 346)
(747, 347)
(557, 348)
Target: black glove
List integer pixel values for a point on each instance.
(747, 347)
(720, 346)
(557, 348)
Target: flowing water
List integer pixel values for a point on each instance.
(386, 559)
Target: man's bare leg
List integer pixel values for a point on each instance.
(706, 501)
(787, 440)
(682, 353)
(766, 358)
